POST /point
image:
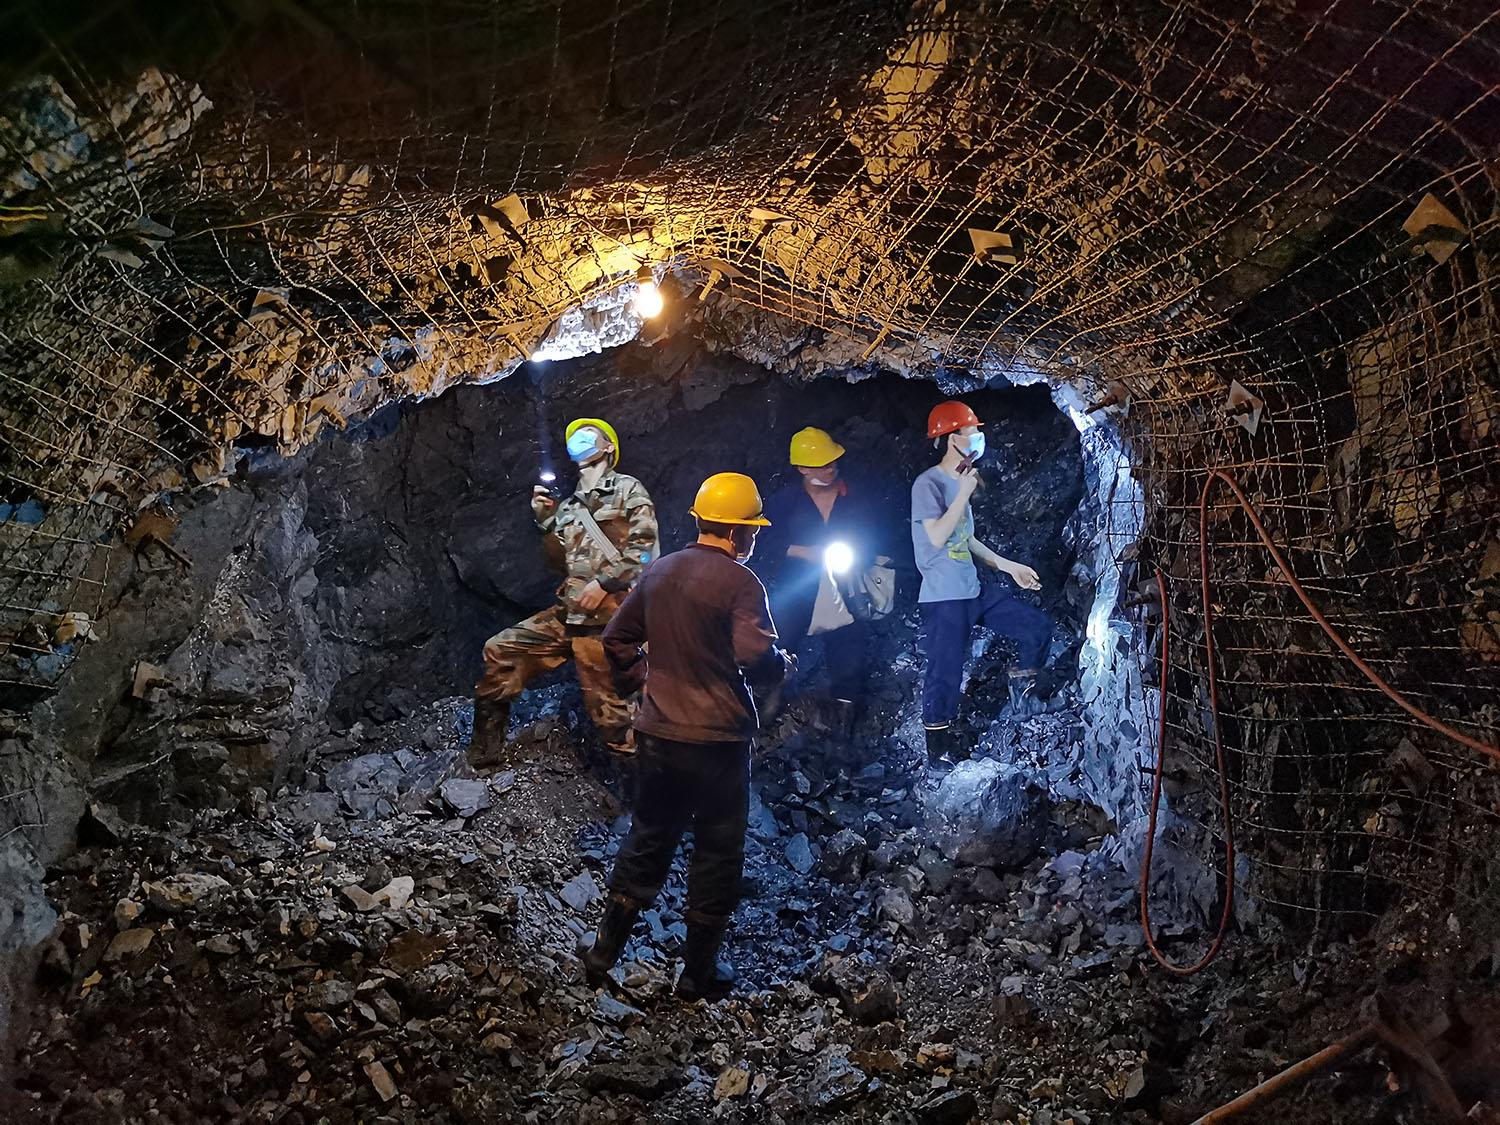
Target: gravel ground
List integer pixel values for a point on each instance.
(398, 946)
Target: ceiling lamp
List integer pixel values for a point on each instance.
(648, 300)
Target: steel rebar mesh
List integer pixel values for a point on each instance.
(241, 224)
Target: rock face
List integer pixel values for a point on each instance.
(987, 814)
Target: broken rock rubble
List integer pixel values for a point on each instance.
(424, 965)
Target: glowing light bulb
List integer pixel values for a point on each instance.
(838, 558)
(648, 300)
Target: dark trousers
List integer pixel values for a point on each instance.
(948, 626)
(682, 785)
(844, 650)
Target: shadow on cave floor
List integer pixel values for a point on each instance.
(397, 945)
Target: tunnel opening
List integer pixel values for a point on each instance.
(457, 472)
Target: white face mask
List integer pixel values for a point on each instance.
(971, 446)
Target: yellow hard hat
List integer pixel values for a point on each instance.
(603, 427)
(813, 448)
(729, 498)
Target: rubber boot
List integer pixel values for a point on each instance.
(600, 955)
(1024, 701)
(838, 717)
(942, 745)
(841, 716)
(487, 744)
(704, 975)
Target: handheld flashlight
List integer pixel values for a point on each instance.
(838, 558)
(547, 479)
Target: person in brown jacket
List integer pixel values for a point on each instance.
(705, 619)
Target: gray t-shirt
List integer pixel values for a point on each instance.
(948, 572)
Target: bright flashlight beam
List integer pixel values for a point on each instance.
(838, 558)
(547, 476)
(648, 300)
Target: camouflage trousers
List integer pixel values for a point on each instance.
(518, 655)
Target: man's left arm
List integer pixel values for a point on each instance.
(753, 635)
(641, 538)
(1023, 575)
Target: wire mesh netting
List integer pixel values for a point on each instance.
(1254, 236)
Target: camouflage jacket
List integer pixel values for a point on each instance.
(622, 508)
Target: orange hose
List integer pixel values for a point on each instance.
(1161, 761)
(1204, 559)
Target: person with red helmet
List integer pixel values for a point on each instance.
(952, 598)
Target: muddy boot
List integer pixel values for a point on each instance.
(704, 975)
(836, 719)
(600, 955)
(487, 744)
(1046, 691)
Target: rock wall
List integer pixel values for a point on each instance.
(1117, 705)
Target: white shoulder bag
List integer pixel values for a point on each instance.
(873, 596)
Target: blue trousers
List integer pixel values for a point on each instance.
(948, 625)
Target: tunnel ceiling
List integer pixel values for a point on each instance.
(238, 225)
(268, 219)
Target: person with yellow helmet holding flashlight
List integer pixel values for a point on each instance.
(600, 536)
(703, 616)
(823, 529)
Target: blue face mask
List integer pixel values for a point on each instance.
(583, 445)
(976, 446)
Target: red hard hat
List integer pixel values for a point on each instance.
(950, 417)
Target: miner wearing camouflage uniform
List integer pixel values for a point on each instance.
(597, 576)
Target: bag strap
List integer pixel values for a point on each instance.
(596, 533)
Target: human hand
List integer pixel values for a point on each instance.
(967, 483)
(592, 596)
(1024, 576)
(543, 504)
